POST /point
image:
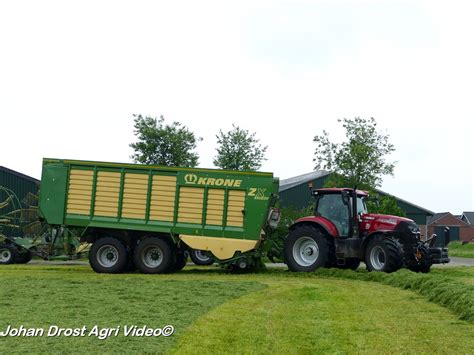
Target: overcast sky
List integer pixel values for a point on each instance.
(72, 73)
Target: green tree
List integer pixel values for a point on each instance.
(163, 144)
(238, 149)
(359, 161)
(289, 215)
(385, 205)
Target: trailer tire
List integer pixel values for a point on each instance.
(181, 260)
(8, 254)
(108, 255)
(383, 254)
(201, 257)
(306, 249)
(154, 256)
(24, 258)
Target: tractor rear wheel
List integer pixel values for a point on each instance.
(383, 254)
(108, 255)
(154, 256)
(8, 254)
(306, 249)
(201, 257)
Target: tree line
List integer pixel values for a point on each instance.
(359, 161)
(175, 145)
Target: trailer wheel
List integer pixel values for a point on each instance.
(8, 254)
(383, 254)
(181, 260)
(108, 255)
(201, 257)
(306, 249)
(154, 256)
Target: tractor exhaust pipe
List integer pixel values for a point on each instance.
(355, 219)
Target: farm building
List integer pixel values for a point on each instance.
(20, 184)
(294, 193)
(460, 227)
(467, 217)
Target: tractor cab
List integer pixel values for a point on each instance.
(336, 205)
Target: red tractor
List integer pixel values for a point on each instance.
(342, 233)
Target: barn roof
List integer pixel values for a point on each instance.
(407, 202)
(17, 174)
(286, 184)
(468, 217)
(437, 216)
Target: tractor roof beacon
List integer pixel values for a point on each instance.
(342, 233)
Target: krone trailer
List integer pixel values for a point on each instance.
(146, 217)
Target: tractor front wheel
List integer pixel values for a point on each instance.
(383, 254)
(306, 249)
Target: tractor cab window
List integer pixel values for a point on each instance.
(361, 205)
(330, 206)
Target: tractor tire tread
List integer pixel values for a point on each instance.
(394, 257)
(321, 240)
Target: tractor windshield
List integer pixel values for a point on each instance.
(361, 205)
(330, 206)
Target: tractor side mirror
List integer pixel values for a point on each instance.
(345, 197)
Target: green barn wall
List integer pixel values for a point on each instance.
(299, 196)
(21, 185)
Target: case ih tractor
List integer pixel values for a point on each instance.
(342, 234)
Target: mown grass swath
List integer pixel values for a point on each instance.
(444, 290)
(323, 315)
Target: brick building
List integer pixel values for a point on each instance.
(460, 228)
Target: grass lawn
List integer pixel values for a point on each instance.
(462, 251)
(276, 311)
(40, 296)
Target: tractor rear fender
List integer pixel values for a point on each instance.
(320, 222)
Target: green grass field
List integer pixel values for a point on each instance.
(462, 251)
(330, 311)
